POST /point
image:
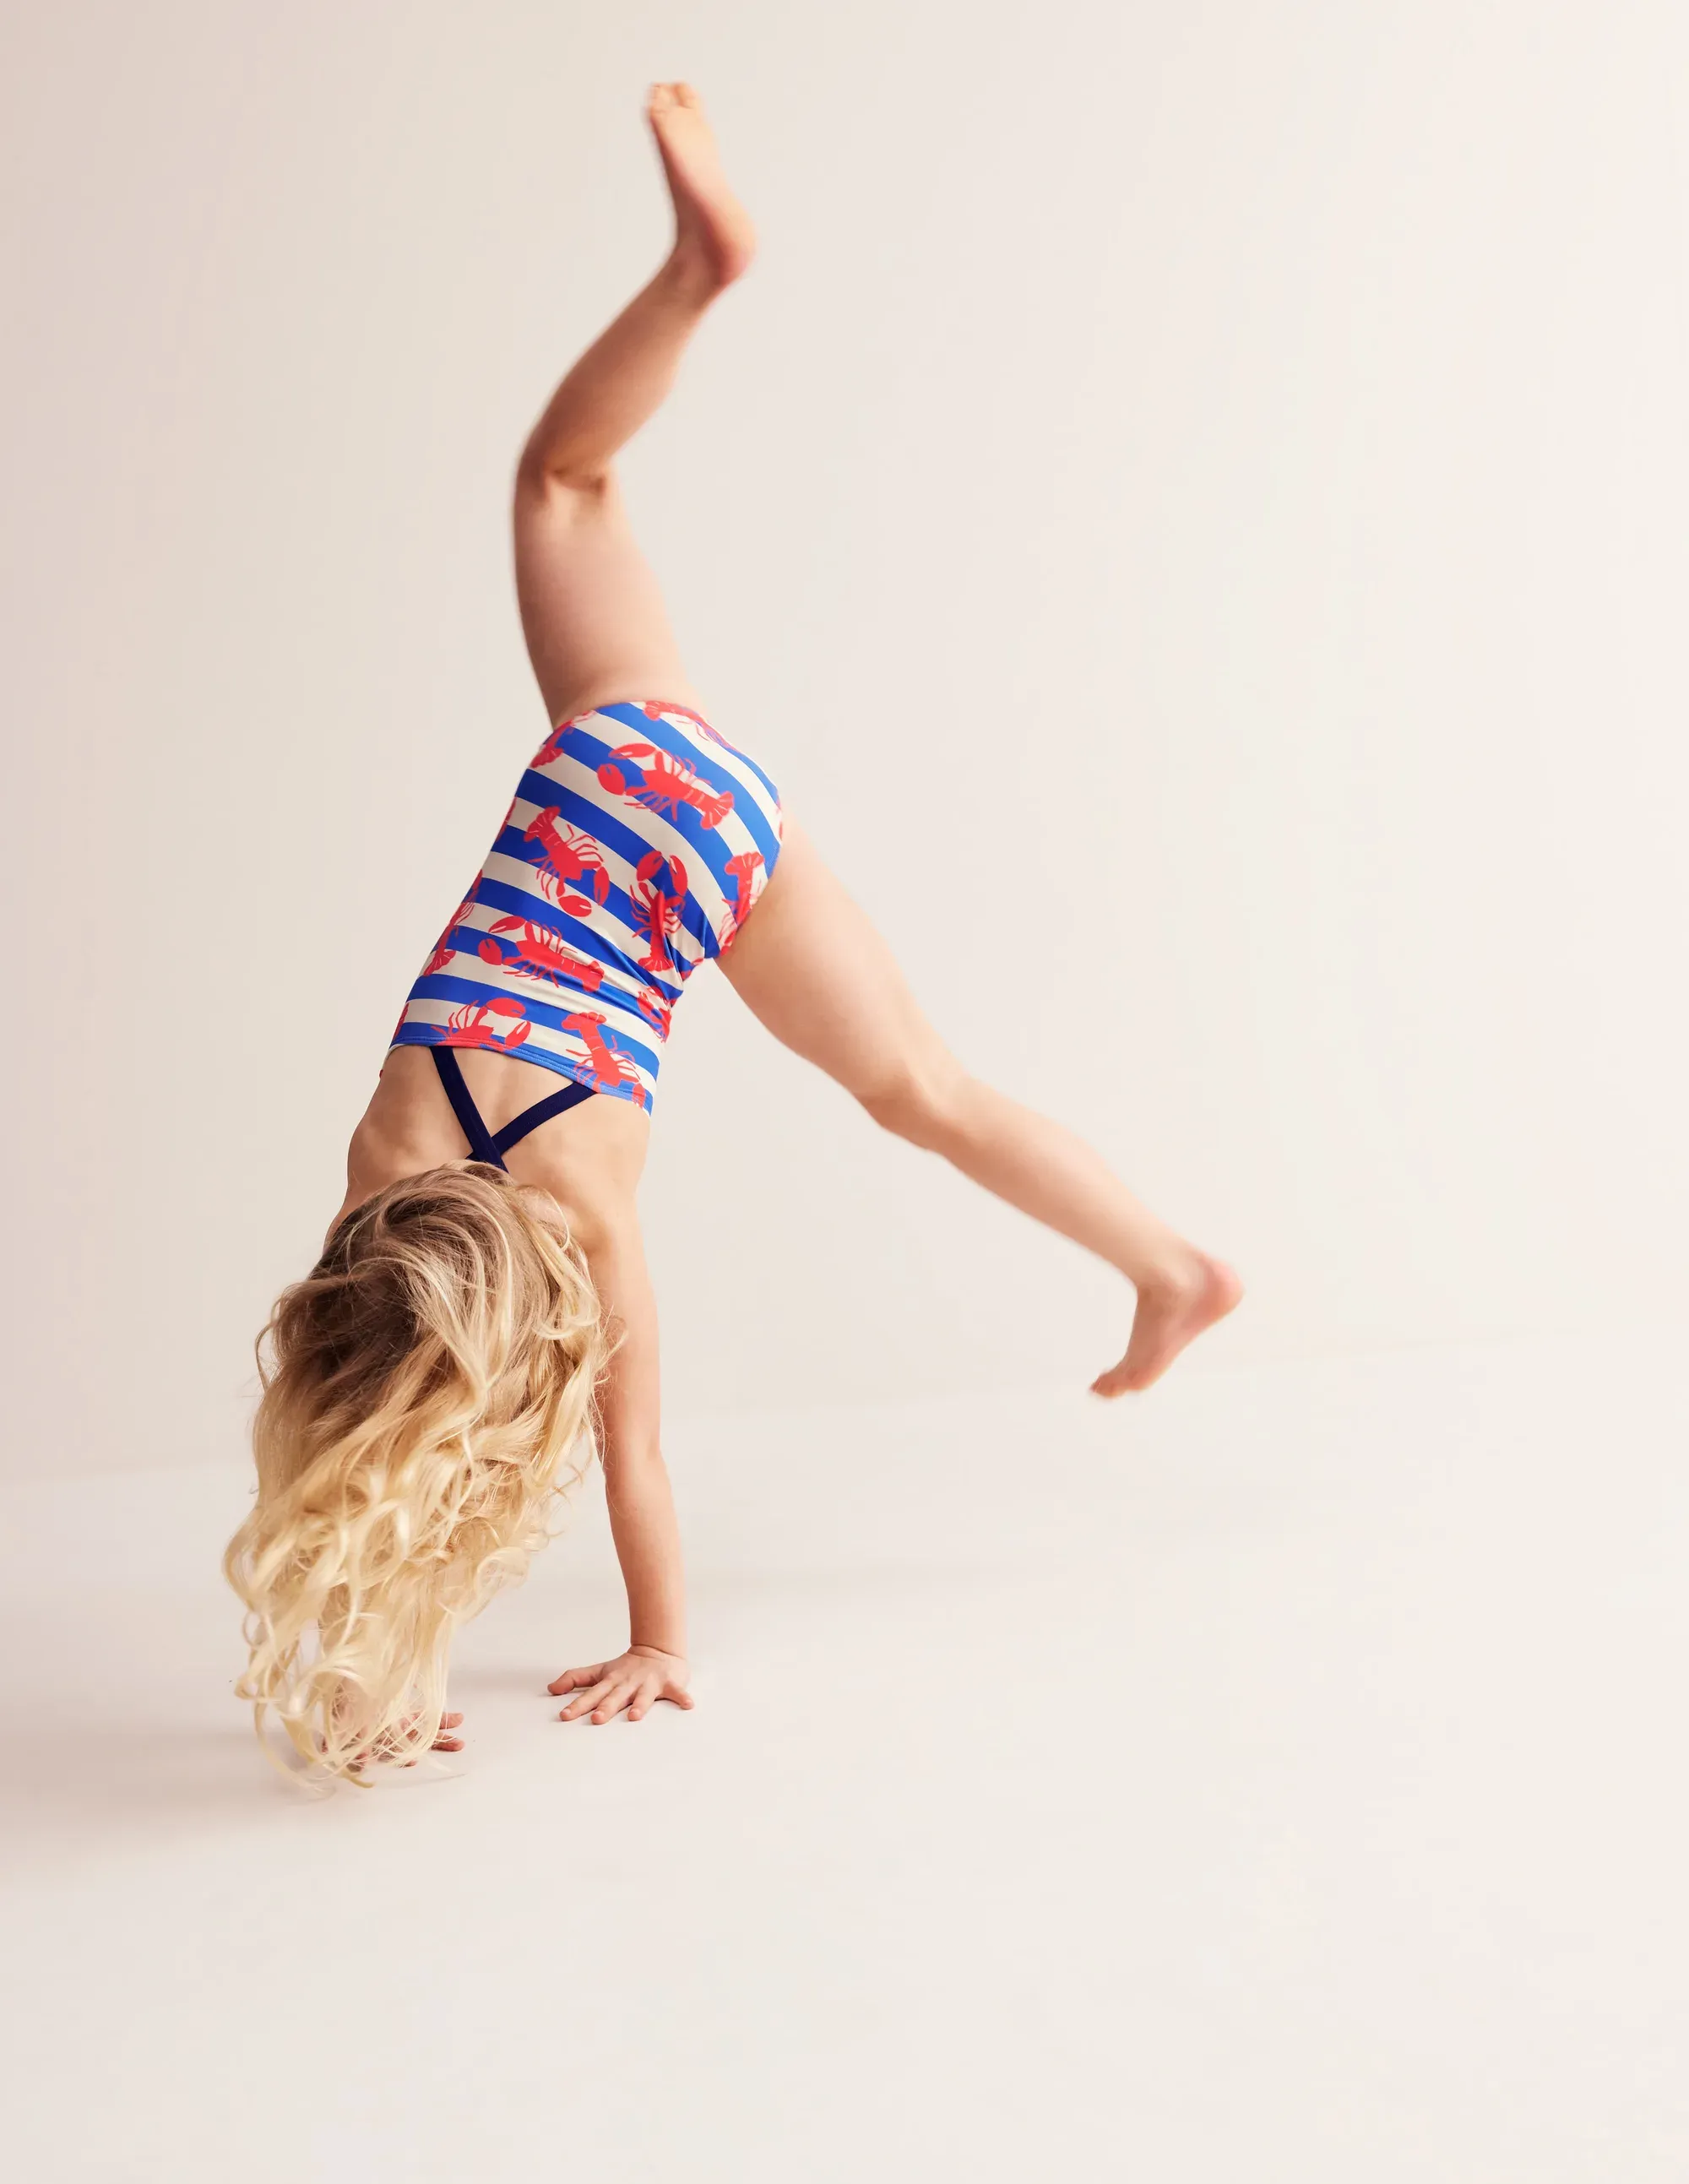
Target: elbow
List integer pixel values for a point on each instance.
(632, 1466)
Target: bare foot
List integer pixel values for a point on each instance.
(714, 240)
(1172, 1310)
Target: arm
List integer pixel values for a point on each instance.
(642, 1518)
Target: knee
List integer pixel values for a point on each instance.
(924, 1101)
(565, 482)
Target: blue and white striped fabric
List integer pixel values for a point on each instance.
(636, 845)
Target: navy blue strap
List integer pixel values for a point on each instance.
(555, 1103)
(483, 1145)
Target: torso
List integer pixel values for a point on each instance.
(635, 843)
(633, 848)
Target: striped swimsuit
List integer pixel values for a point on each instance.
(637, 843)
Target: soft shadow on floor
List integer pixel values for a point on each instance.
(87, 1785)
(493, 1680)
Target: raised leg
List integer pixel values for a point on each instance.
(594, 617)
(812, 968)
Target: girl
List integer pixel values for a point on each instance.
(481, 1317)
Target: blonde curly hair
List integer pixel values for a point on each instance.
(424, 1391)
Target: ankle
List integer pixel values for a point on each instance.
(692, 275)
(1174, 1269)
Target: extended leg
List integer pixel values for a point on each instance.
(817, 974)
(592, 613)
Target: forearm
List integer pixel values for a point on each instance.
(643, 1524)
(642, 1518)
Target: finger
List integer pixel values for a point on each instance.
(448, 1744)
(572, 1679)
(683, 1700)
(451, 1721)
(582, 1701)
(614, 1702)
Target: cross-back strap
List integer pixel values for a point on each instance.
(484, 1144)
(555, 1103)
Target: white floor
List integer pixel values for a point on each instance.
(1283, 1779)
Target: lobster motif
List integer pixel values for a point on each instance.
(535, 951)
(655, 711)
(446, 946)
(552, 748)
(570, 858)
(742, 872)
(662, 783)
(612, 1070)
(659, 889)
(500, 1023)
(657, 1009)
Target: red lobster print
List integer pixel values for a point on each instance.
(662, 783)
(535, 951)
(553, 746)
(659, 889)
(742, 872)
(499, 1023)
(571, 858)
(655, 1009)
(612, 1070)
(654, 712)
(446, 946)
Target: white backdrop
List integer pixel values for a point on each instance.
(1189, 507)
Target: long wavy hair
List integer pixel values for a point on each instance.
(427, 1399)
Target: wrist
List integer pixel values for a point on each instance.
(671, 1652)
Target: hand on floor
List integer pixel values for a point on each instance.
(632, 1684)
(447, 1740)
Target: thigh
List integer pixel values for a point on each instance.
(592, 611)
(813, 969)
